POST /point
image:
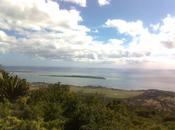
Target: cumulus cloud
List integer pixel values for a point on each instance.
(36, 15)
(3, 46)
(148, 44)
(83, 3)
(79, 2)
(103, 2)
(5, 41)
(43, 30)
(131, 28)
(3, 35)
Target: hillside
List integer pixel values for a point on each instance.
(45, 106)
(155, 99)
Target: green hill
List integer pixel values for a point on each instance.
(63, 107)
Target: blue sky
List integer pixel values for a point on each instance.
(85, 33)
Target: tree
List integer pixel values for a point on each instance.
(12, 87)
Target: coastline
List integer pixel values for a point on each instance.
(77, 76)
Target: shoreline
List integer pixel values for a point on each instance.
(77, 76)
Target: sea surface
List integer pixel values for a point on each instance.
(129, 79)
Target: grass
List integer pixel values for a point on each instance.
(107, 92)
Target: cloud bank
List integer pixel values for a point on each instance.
(155, 44)
(41, 29)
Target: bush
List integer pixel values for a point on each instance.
(12, 87)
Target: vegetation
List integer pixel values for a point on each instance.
(105, 92)
(57, 108)
(77, 76)
(12, 87)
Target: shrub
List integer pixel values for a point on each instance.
(12, 87)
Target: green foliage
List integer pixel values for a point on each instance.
(53, 94)
(12, 87)
(5, 109)
(13, 123)
(57, 108)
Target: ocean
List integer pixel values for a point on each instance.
(128, 79)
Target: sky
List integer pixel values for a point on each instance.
(88, 33)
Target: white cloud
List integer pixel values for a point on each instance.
(46, 31)
(131, 28)
(3, 45)
(147, 46)
(103, 2)
(116, 41)
(37, 15)
(83, 3)
(155, 27)
(79, 2)
(43, 30)
(168, 25)
(3, 35)
(41, 26)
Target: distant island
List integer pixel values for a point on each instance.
(77, 76)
